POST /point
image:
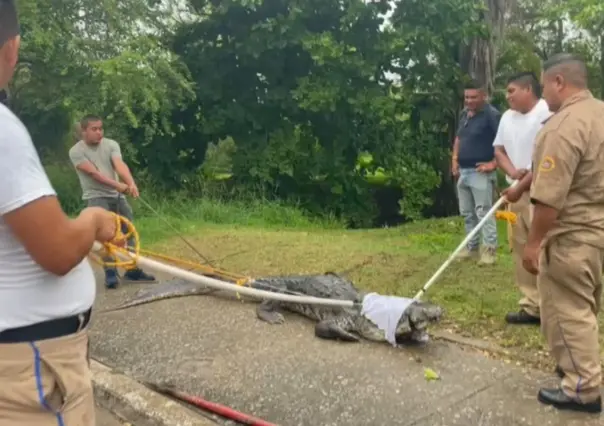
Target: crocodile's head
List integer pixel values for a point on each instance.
(416, 319)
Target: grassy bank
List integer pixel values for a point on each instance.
(189, 215)
(196, 218)
(267, 239)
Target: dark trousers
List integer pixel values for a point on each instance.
(120, 206)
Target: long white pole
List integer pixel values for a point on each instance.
(464, 243)
(223, 285)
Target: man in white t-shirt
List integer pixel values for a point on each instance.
(513, 150)
(47, 287)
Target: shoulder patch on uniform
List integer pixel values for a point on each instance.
(547, 164)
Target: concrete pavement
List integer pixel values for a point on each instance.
(106, 418)
(216, 348)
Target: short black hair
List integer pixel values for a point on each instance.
(9, 21)
(473, 84)
(527, 79)
(87, 119)
(571, 66)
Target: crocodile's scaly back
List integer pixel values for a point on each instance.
(328, 286)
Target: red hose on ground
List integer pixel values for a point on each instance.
(221, 410)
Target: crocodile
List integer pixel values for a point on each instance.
(332, 322)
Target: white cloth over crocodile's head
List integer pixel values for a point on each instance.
(385, 312)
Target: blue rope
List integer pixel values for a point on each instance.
(40, 387)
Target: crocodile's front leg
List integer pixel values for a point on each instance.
(335, 329)
(268, 311)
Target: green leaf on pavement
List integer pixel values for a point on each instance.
(430, 374)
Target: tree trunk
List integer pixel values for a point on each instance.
(559, 36)
(479, 58)
(601, 66)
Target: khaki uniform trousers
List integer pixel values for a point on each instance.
(570, 287)
(47, 383)
(527, 282)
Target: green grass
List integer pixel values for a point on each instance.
(192, 218)
(264, 238)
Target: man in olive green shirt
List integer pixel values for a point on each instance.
(99, 165)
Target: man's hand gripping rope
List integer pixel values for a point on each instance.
(119, 244)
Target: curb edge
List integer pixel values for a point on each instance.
(139, 405)
(479, 344)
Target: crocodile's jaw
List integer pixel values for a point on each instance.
(411, 327)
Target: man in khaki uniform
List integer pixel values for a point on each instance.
(565, 247)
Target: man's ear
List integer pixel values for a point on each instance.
(10, 51)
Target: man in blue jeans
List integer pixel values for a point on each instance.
(475, 167)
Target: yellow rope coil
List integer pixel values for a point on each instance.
(116, 245)
(506, 215)
(119, 244)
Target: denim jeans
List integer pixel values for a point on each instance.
(475, 193)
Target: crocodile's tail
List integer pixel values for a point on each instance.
(168, 290)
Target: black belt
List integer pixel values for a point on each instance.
(47, 329)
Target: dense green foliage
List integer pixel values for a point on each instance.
(323, 104)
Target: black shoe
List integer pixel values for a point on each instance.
(558, 399)
(139, 276)
(559, 372)
(522, 317)
(111, 279)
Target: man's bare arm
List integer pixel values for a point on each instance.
(455, 148)
(123, 171)
(525, 183)
(503, 161)
(88, 168)
(513, 194)
(543, 220)
(54, 241)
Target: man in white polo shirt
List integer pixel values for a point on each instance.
(47, 287)
(513, 150)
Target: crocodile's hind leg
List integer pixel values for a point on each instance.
(334, 329)
(268, 311)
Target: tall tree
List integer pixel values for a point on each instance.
(478, 58)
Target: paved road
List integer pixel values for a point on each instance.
(105, 418)
(216, 348)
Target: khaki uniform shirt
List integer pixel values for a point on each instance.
(568, 169)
